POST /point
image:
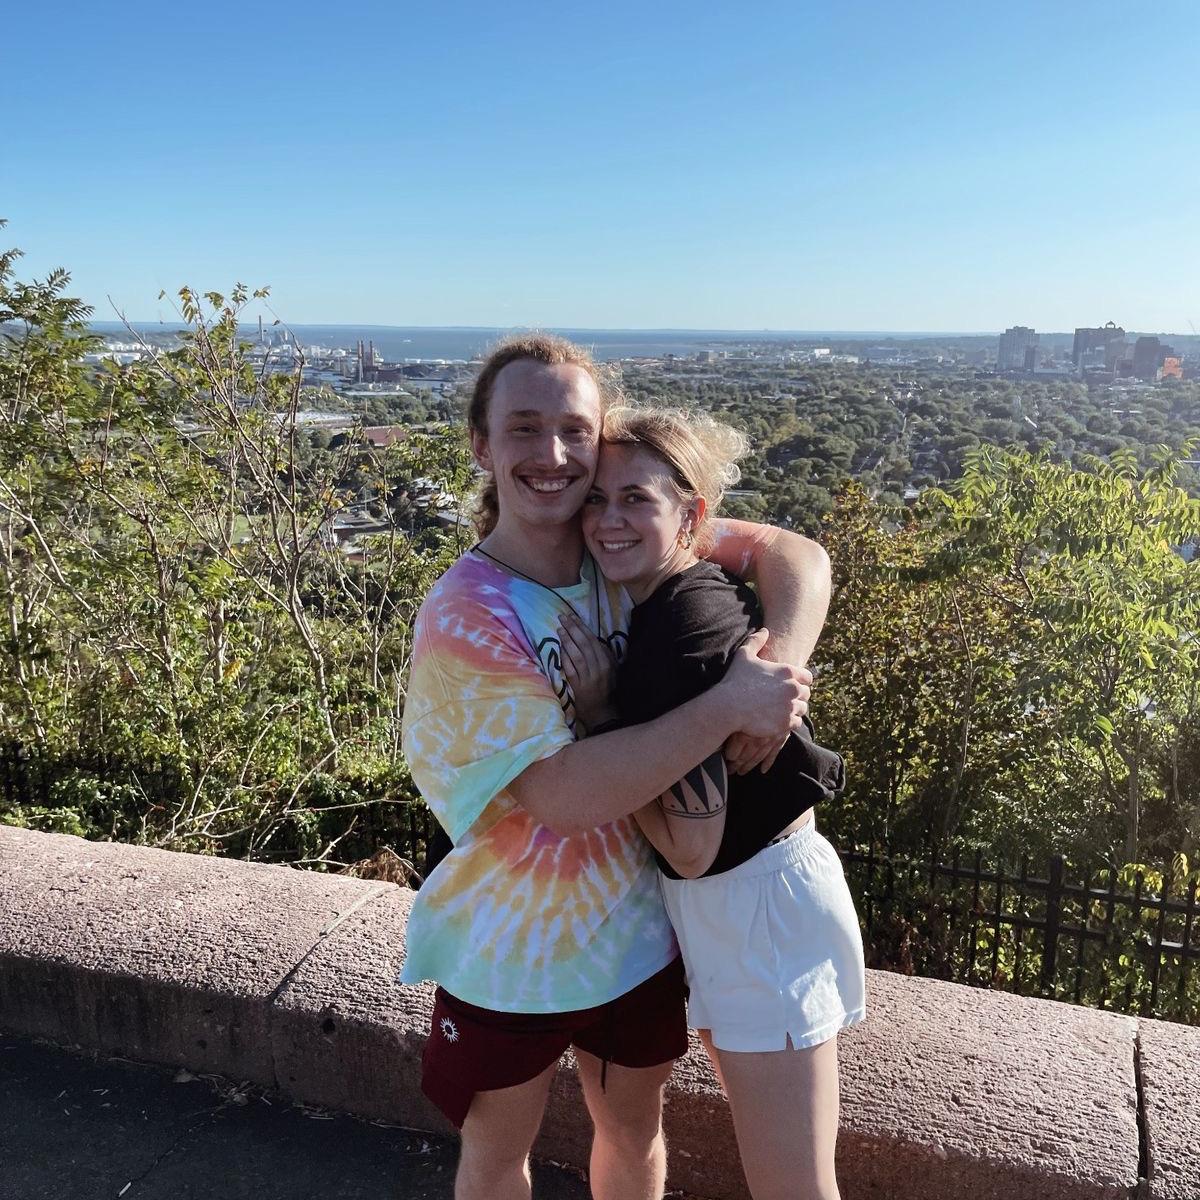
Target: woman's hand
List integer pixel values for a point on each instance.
(590, 671)
(744, 753)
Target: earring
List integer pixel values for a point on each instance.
(685, 538)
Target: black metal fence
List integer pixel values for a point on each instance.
(29, 779)
(119, 798)
(1124, 939)
(1121, 939)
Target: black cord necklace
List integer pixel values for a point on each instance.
(556, 594)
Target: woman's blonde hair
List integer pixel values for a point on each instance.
(702, 453)
(551, 351)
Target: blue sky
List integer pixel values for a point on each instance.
(790, 166)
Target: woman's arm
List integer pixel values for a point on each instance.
(686, 823)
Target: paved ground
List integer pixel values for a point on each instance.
(74, 1127)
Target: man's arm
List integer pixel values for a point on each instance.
(791, 573)
(610, 775)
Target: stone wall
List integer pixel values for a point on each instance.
(285, 977)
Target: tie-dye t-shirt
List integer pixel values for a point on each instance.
(517, 918)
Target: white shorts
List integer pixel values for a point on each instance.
(772, 948)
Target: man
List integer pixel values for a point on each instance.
(544, 926)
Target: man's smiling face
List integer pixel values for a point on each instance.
(542, 441)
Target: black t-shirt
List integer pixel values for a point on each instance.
(681, 640)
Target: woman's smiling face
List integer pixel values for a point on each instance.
(633, 518)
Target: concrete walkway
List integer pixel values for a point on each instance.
(74, 1126)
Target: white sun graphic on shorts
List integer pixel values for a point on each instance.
(449, 1030)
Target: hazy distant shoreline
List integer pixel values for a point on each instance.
(396, 343)
(666, 331)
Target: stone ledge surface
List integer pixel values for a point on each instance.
(287, 978)
(1000, 1088)
(1170, 1067)
(167, 957)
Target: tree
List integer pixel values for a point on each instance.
(1015, 663)
(191, 656)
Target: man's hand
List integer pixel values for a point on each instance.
(765, 698)
(743, 753)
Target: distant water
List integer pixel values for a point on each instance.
(394, 343)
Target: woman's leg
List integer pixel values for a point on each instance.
(497, 1137)
(785, 1115)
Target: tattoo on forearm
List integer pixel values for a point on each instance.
(701, 793)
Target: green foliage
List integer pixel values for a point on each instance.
(1014, 664)
(190, 657)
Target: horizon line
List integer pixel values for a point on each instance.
(665, 329)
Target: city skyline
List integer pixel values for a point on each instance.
(863, 171)
(250, 316)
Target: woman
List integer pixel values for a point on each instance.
(757, 897)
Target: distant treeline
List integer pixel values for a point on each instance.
(899, 430)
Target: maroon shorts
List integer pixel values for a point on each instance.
(474, 1049)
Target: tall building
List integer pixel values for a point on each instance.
(1098, 346)
(1150, 357)
(1148, 354)
(1015, 346)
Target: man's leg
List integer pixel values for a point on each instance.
(497, 1137)
(629, 1155)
